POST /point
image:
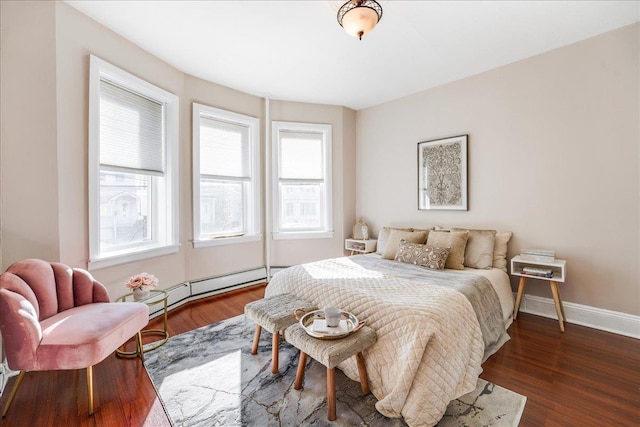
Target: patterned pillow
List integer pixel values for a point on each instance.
(426, 256)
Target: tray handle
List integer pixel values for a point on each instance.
(360, 325)
(295, 313)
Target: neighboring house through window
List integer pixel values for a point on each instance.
(133, 128)
(302, 180)
(226, 191)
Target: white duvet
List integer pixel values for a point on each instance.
(429, 347)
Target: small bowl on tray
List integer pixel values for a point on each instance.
(348, 324)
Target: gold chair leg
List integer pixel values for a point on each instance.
(90, 388)
(13, 393)
(140, 347)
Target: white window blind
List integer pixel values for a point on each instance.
(302, 205)
(133, 167)
(226, 186)
(224, 149)
(131, 131)
(301, 155)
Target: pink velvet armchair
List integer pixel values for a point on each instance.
(53, 317)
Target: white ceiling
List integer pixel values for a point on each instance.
(295, 50)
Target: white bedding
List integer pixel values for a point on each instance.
(430, 342)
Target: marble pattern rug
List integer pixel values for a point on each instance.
(208, 377)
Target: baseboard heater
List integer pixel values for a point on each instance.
(197, 289)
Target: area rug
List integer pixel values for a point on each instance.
(208, 377)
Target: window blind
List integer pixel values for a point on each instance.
(131, 131)
(301, 155)
(224, 149)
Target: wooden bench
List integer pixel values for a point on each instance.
(274, 314)
(330, 353)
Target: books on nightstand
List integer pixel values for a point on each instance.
(539, 272)
(541, 255)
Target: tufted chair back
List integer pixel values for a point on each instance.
(33, 290)
(53, 317)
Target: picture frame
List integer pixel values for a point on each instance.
(442, 173)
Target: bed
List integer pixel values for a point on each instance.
(435, 327)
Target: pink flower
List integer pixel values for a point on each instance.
(142, 280)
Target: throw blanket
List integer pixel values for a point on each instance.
(430, 344)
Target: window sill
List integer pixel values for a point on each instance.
(122, 258)
(221, 241)
(300, 235)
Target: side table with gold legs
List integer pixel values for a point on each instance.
(155, 297)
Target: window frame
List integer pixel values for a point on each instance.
(252, 203)
(166, 217)
(325, 130)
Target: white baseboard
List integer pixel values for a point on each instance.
(593, 317)
(192, 291)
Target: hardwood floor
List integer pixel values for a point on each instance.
(583, 377)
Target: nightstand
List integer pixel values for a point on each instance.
(358, 246)
(558, 267)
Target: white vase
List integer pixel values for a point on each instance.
(140, 293)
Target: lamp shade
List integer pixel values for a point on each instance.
(359, 17)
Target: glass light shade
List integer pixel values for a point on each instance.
(359, 21)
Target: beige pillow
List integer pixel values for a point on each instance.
(479, 250)
(456, 240)
(423, 255)
(500, 250)
(383, 237)
(391, 248)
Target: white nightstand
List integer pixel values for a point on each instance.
(358, 246)
(559, 273)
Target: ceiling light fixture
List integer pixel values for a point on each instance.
(359, 17)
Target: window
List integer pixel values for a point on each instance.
(133, 128)
(226, 192)
(302, 180)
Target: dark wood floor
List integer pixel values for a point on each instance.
(583, 377)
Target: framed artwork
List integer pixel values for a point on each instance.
(442, 174)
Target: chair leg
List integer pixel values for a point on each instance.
(140, 347)
(90, 388)
(300, 372)
(13, 393)
(362, 372)
(256, 340)
(331, 394)
(274, 353)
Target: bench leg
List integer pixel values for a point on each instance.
(274, 353)
(256, 340)
(300, 372)
(331, 394)
(362, 372)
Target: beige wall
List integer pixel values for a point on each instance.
(553, 156)
(45, 69)
(77, 37)
(29, 197)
